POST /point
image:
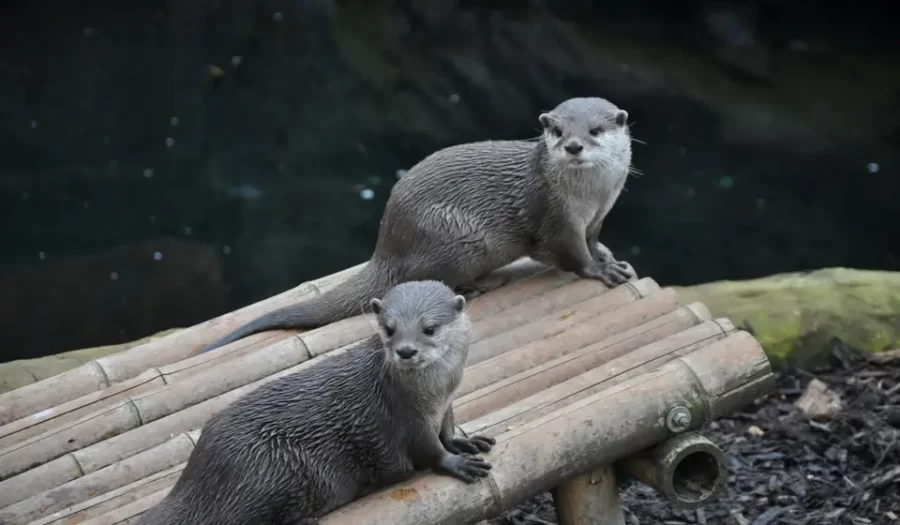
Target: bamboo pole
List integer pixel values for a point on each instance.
(688, 470)
(609, 323)
(589, 499)
(129, 513)
(134, 468)
(101, 373)
(483, 413)
(134, 411)
(110, 501)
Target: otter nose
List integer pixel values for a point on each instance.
(574, 148)
(406, 352)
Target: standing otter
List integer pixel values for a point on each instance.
(466, 210)
(301, 446)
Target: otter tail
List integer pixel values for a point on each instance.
(344, 300)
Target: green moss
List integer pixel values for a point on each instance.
(797, 316)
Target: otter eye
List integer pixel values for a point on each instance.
(388, 331)
(556, 132)
(429, 330)
(595, 131)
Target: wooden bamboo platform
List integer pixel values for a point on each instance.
(103, 442)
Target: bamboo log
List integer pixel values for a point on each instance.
(112, 500)
(486, 414)
(609, 324)
(129, 513)
(589, 499)
(595, 431)
(688, 470)
(139, 410)
(101, 373)
(144, 464)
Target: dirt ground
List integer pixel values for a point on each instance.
(789, 466)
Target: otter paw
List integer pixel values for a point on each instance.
(472, 445)
(612, 273)
(466, 468)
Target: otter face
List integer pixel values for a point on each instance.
(587, 133)
(420, 323)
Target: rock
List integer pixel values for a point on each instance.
(818, 400)
(16, 374)
(797, 316)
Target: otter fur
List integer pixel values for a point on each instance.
(467, 210)
(298, 447)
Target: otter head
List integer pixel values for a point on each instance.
(422, 322)
(587, 133)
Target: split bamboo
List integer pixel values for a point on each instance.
(489, 411)
(134, 411)
(104, 372)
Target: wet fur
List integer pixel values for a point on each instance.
(305, 444)
(467, 210)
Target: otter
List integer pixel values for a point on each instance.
(298, 447)
(466, 210)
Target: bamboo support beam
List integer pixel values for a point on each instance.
(589, 499)
(104, 372)
(688, 470)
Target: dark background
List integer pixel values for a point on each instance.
(162, 163)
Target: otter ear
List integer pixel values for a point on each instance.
(376, 305)
(545, 120)
(459, 302)
(621, 117)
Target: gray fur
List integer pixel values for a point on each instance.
(305, 444)
(466, 210)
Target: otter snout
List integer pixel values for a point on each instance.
(406, 352)
(574, 147)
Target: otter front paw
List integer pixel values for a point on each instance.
(472, 445)
(466, 468)
(612, 273)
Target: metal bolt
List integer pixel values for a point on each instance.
(678, 419)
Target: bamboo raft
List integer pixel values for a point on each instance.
(570, 377)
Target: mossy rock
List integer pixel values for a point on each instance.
(17, 374)
(798, 316)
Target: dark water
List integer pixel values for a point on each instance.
(164, 162)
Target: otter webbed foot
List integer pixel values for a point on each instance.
(465, 468)
(611, 273)
(470, 445)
